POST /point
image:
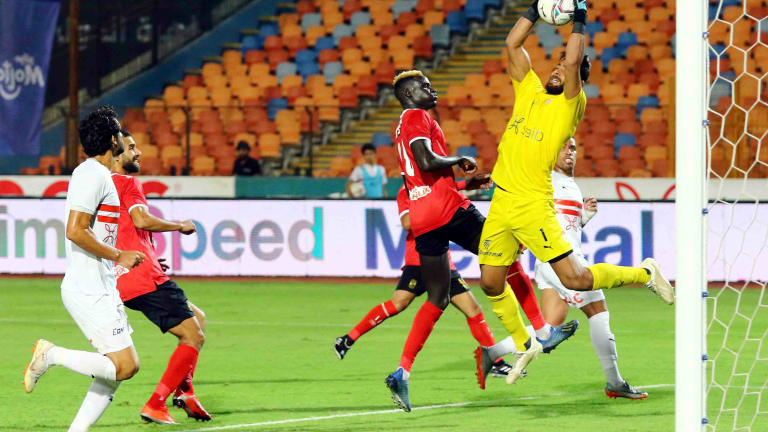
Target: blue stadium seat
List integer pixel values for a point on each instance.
(626, 39)
(591, 52)
(594, 27)
(401, 6)
(457, 22)
(331, 69)
(644, 102)
(308, 68)
(251, 42)
(470, 151)
(608, 54)
(592, 91)
(495, 4)
(550, 41)
(381, 139)
(283, 69)
(713, 12)
(715, 50)
(543, 29)
(306, 55)
(310, 19)
(721, 88)
(441, 36)
(622, 140)
(475, 10)
(340, 31)
(762, 26)
(275, 105)
(269, 29)
(360, 18)
(325, 42)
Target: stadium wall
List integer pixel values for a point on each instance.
(360, 238)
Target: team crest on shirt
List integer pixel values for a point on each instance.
(412, 284)
(120, 270)
(572, 223)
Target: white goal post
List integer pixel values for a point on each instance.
(691, 204)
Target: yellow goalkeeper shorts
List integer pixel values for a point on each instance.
(512, 222)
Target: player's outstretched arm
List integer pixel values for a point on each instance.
(80, 233)
(519, 61)
(145, 220)
(574, 52)
(427, 160)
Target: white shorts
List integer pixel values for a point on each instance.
(546, 278)
(101, 318)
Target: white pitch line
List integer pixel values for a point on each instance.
(392, 411)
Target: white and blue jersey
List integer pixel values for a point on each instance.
(373, 177)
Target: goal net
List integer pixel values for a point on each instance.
(735, 349)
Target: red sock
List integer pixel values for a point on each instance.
(422, 326)
(375, 316)
(181, 363)
(523, 289)
(186, 384)
(480, 330)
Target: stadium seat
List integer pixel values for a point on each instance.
(457, 23)
(340, 31)
(381, 139)
(441, 36)
(331, 69)
(359, 18)
(269, 145)
(306, 69)
(283, 69)
(275, 105)
(311, 19)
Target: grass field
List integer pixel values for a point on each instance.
(268, 359)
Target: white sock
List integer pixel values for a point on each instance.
(544, 332)
(406, 374)
(502, 348)
(86, 363)
(605, 347)
(95, 403)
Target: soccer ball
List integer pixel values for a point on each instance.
(357, 189)
(556, 12)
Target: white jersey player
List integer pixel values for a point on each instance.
(89, 289)
(573, 212)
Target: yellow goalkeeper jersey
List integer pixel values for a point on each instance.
(540, 125)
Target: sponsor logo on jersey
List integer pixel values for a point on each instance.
(521, 129)
(412, 284)
(419, 192)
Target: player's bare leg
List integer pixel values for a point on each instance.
(400, 300)
(577, 277)
(505, 306)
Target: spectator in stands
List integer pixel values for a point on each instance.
(370, 177)
(245, 165)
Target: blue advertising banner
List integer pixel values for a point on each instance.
(26, 36)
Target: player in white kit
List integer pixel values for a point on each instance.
(573, 212)
(89, 289)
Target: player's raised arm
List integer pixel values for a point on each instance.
(574, 52)
(145, 220)
(80, 233)
(519, 61)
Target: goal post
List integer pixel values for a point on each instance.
(691, 213)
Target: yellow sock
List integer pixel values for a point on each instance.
(612, 276)
(505, 307)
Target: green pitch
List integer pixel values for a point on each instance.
(268, 358)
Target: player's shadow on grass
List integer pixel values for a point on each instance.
(321, 411)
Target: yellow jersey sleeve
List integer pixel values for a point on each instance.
(529, 86)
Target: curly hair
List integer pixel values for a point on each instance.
(97, 129)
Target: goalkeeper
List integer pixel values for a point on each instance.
(522, 211)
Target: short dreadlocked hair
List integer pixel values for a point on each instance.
(402, 78)
(97, 129)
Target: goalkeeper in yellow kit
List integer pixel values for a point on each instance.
(522, 210)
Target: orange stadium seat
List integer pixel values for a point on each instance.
(313, 33)
(203, 166)
(269, 145)
(654, 153)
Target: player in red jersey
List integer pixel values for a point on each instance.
(148, 289)
(411, 286)
(439, 214)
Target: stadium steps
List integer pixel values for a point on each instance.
(467, 59)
